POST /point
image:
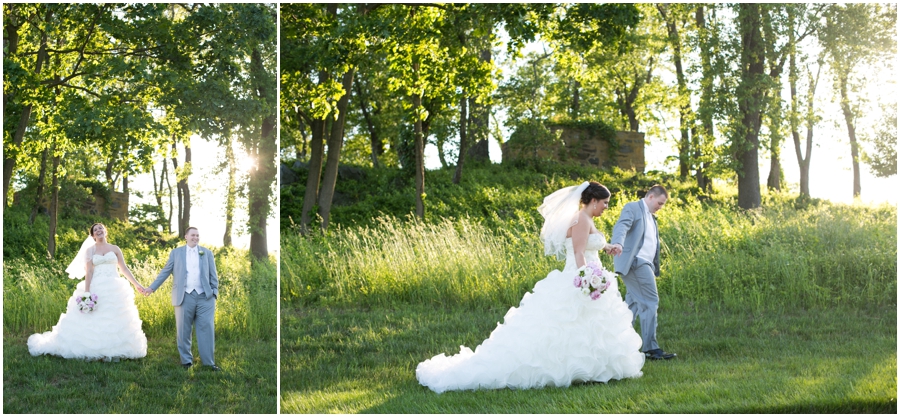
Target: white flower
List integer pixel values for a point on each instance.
(595, 281)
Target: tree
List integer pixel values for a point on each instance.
(882, 158)
(750, 97)
(673, 20)
(316, 81)
(855, 35)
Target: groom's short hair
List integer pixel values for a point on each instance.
(188, 230)
(658, 190)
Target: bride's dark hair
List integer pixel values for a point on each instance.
(594, 190)
(91, 230)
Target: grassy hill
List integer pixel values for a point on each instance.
(479, 244)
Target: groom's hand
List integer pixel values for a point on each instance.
(614, 250)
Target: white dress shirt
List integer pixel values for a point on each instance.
(651, 239)
(193, 271)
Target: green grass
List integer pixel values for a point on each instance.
(788, 308)
(812, 257)
(361, 360)
(35, 291)
(155, 384)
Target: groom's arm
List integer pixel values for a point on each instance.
(626, 219)
(213, 275)
(165, 273)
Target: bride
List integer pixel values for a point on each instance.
(112, 328)
(557, 335)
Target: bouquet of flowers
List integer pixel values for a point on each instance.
(593, 280)
(87, 302)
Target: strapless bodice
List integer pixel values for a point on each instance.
(107, 258)
(596, 241)
(105, 264)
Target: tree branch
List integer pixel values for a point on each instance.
(87, 39)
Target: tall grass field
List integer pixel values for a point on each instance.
(788, 308)
(35, 292)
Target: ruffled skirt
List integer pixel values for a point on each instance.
(557, 336)
(111, 331)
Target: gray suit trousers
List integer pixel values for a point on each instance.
(643, 300)
(200, 313)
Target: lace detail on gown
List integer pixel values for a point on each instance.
(111, 331)
(555, 337)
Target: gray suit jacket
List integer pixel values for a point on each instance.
(177, 266)
(629, 232)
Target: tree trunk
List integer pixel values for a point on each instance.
(316, 156)
(301, 153)
(185, 188)
(639, 82)
(177, 186)
(335, 143)
(261, 179)
(420, 158)
(810, 118)
(463, 140)
(576, 99)
(108, 174)
(774, 112)
(705, 110)
(851, 132)
(418, 139)
(377, 147)
(184, 197)
(774, 179)
(230, 191)
(54, 206)
(9, 160)
(479, 126)
(684, 111)
(750, 101)
(165, 174)
(40, 187)
(158, 191)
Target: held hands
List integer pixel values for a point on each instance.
(614, 250)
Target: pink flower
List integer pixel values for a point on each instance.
(94, 297)
(577, 281)
(595, 295)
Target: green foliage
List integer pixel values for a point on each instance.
(491, 193)
(532, 143)
(883, 155)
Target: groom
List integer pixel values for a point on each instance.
(635, 242)
(194, 294)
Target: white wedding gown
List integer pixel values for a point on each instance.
(555, 337)
(111, 331)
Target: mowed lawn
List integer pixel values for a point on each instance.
(156, 384)
(363, 360)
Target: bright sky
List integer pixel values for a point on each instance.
(208, 196)
(831, 172)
